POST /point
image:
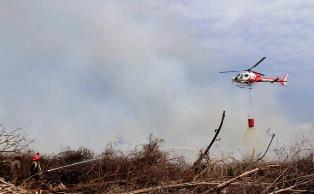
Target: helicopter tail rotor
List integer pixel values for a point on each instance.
(284, 80)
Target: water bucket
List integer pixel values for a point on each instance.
(251, 122)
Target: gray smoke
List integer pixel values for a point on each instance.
(84, 73)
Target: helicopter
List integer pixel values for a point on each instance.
(246, 78)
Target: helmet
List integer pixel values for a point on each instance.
(36, 157)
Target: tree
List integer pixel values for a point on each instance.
(13, 140)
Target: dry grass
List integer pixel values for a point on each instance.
(150, 170)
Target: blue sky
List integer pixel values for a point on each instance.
(92, 72)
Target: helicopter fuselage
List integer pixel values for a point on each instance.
(250, 77)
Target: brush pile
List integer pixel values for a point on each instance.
(150, 170)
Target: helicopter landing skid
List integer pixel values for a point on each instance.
(245, 86)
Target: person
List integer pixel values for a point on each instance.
(35, 167)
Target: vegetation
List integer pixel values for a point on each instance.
(148, 169)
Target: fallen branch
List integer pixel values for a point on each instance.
(14, 187)
(189, 184)
(283, 190)
(151, 189)
(224, 184)
(275, 181)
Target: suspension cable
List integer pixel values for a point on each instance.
(251, 103)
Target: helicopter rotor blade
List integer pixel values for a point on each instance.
(228, 71)
(256, 64)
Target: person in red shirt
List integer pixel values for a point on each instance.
(35, 167)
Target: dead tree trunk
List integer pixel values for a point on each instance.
(197, 163)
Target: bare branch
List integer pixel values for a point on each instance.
(14, 140)
(202, 155)
(271, 140)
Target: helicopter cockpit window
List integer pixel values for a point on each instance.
(246, 75)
